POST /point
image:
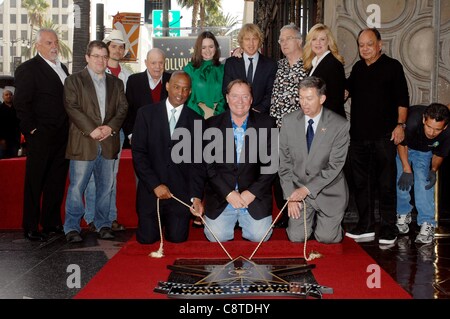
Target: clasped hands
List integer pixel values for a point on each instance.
(406, 180)
(240, 200)
(101, 133)
(295, 202)
(196, 209)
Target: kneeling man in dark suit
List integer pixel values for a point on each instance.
(160, 172)
(239, 184)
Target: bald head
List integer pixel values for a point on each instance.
(155, 63)
(7, 96)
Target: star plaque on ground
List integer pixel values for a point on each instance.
(241, 277)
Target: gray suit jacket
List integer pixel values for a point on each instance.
(80, 101)
(320, 170)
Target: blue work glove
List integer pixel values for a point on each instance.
(431, 179)
(405, 181)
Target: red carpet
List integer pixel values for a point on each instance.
(12, 172)
(132, 274)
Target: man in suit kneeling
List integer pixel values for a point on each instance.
(313, 149)
(239, 185)
(160, 172)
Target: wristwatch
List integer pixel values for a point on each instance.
(403, 125)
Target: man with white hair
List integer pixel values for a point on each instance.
(43, 120)
(146, 87)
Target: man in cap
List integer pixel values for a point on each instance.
(118, 46)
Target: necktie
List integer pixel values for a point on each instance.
(172, 121)
(250, 71)
(309, 134)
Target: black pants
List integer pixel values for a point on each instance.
(373, 167)
(45, 179)
(174, 216)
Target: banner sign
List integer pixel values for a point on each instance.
(179, 50)
(129, 24)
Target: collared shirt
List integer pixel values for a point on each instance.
(315, 62)
(239, 133)
(170, 107)
(316, 120)
(100, 90)
(151, 82)
(247, 62)
(57, 68)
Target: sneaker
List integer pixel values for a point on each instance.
(358, 233)
(386, 247)
(387, 236)
(426, 234)
(403, 222)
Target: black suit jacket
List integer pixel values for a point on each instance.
(43, 109)
(138, 94)
(263, 79)
(152, 158)
(332, 72)
(222, 177)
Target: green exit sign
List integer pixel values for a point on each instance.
(174, 22)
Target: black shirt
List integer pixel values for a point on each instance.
(376, 91)
(416, 139)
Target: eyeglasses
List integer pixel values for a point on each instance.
(236, 97)
(280, 41)
(97, 56)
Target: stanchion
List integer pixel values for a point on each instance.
(439, 232)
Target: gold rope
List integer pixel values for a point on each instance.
(203, 221)
(312, 255)
(160, 252)
(268, 230)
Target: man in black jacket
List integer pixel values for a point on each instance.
(44, 122)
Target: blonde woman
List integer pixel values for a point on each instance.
(321, 58)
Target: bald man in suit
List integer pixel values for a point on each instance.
(313, 173)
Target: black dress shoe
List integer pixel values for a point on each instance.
(73, 237)
(35, 236)
(53, 230)
(106, 233)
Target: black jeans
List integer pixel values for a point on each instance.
(373, 166)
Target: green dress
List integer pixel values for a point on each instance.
(206, 86)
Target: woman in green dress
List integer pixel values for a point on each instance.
(206, 73)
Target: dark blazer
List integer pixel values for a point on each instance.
(332, 72)
(152, 158)
(222, 177)
(81, 103)
(263, 79)
(39, 105)
(38, 98)
(139, 94)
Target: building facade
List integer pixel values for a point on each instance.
(17, 35)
